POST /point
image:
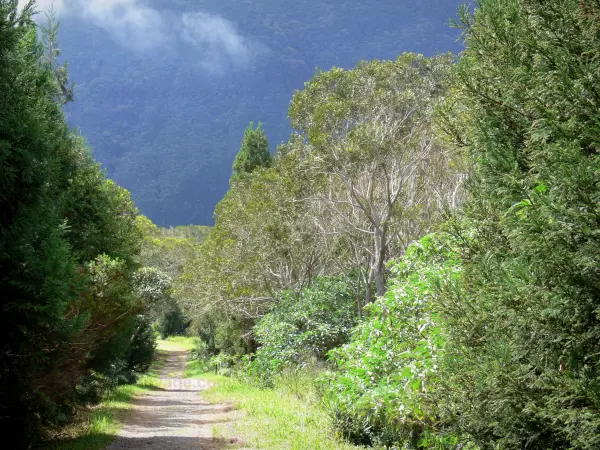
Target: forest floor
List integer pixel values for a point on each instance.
(174, 415)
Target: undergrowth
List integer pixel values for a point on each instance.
(289, 416)
(98, 425)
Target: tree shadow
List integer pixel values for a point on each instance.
(109, 442)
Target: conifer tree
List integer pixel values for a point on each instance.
(37, 275)
(68, 243)
(49, 38)
(525, 333)
(253, 153)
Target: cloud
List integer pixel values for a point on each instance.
(131, 23)
(44, 5)
(128, 21)
(215, 37)
(140, 27)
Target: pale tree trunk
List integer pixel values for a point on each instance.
(368, 287)
(378, 273)
(379, 262)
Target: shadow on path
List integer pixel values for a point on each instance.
(174, 417)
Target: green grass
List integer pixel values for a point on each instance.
(98, 425)
(288, 417)
(177, 343)
(195, 369)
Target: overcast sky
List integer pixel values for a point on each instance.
(140, 27)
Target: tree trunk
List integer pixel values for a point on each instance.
(379, 280)
(369, 288)
(378, 266)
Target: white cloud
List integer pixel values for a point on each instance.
(216, 37)
(44, 5)
(141, 27)
(128, 21)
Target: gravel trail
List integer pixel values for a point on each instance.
(173, 416)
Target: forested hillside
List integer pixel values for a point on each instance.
(164, 112)
(416, 266)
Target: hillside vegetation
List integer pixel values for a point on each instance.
(165, 119)
(416, 267)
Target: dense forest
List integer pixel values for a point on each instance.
(424, 248)
(165, 118)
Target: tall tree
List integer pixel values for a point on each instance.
(37, 273)
(260, 245)
(525, 349)
(369, 135)
(49, 34)
(68, 240)
(253, 153)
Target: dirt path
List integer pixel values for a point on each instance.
(173, 416)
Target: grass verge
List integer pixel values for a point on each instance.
(195, 369)
(97, 426)
(177, 343)
(288, 417)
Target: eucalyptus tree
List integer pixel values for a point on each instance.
(384, 176)
(257, 248)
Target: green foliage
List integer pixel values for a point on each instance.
(384, 390)
(253, 153)
(488, 336)
(339, 198)
(303, 325)
(95, 428)
(68, 242)
(198, 359)
(38, 271)
(101, 217)
(524, 340)
(110, 325)
(49, 38)
(169, 249)
(165, 253)
(152, 286)
(256, 249)
(384, 176)
(141, 347)
(170, 320)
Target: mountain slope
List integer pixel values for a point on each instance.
(166, 117)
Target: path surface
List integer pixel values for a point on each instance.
(173, 416)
